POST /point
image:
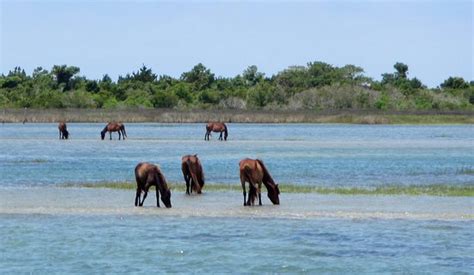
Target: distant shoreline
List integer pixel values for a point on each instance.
(236, 116)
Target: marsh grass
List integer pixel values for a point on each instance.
(465, 171)
(239, 116)
(411, 190)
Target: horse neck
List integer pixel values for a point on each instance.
(266, 175)
(161, 183)
(105, 129)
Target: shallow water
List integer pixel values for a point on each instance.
(49, 229)
(310, 154)
(81, 230)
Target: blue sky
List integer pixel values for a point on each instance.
(435, 38)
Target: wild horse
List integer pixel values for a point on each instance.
(193, 174)
(63, 132)
(114, 127)
(255, 173)
(147, 175)
(217, 127)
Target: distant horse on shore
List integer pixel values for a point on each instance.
(255, 173)
(218, 127)
(147, 175)
(114, 127)
(63, 132)
(193, 173)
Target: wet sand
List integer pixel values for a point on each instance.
(85, 201)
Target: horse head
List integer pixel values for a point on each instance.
(102, 134)
(66, 134)
(273, 193)
(166, 198)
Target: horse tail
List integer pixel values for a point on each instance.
(225, 132)
(196, 186)
(252, 189)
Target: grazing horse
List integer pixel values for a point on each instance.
(193, 173)
(63, 133)
(217, 127)
(147, 175)
(114, 127)
(255, 173)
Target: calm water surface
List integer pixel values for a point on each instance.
(44, 229)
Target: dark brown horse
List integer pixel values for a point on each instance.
(255, 173)
(63, 133)
(193, 173)
(218, 127)
(148, 175)
(114, 127)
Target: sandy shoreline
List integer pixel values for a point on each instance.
(84, 201)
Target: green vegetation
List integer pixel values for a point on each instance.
(317, 86)
(411, 190)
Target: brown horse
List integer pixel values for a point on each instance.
(148, 175)
(255, 173)
(193, 173)
(114, 127)
(218, 127)
(63, 133)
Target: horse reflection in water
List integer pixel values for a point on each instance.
(114, 127)
(255, 173)
(193, 174)
(63, 132)
(217, 127)
(147, 175)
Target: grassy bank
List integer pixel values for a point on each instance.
(412, 190)
(240, 116)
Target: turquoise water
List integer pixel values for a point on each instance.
(310, 154)
(113, 244)
(45, 228)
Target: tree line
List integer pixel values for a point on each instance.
(315, 86)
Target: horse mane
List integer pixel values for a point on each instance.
(161, 181)
(267, 178)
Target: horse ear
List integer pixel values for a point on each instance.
(195, 155)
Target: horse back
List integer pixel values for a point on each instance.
(144, 174)
(62, 126)
(251, 169)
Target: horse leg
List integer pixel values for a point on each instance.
(259, 190)
(110, 135)
(119, 134)
(59, 134)
(242, 181)
(144, 197)
(220, 136)
(186, 178)
(137, 196)
(157, 196)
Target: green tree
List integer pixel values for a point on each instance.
(252, 76)
(454, 83)
(402, 70)
(144, 74)
(63, 75)
(199, 76)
